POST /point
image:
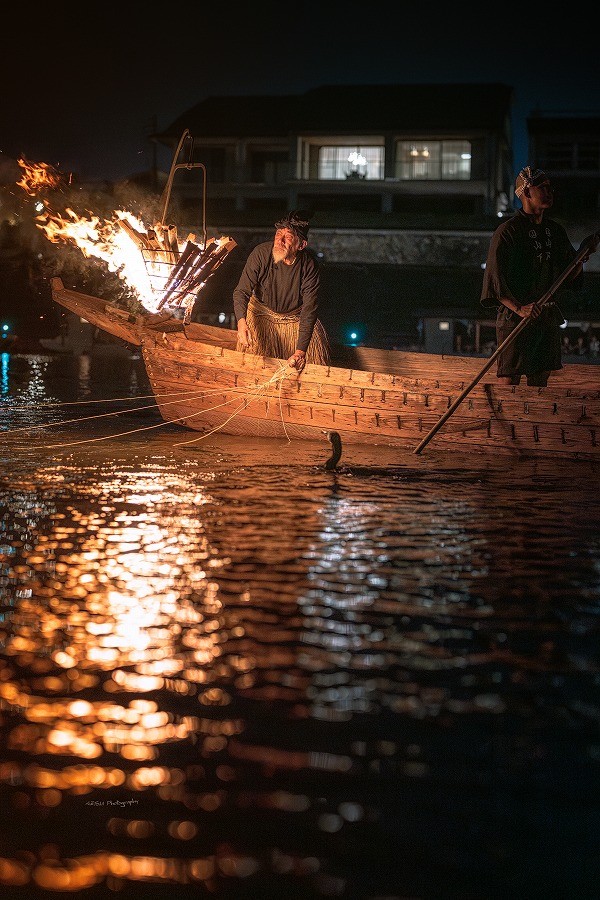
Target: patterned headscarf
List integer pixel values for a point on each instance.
(528, 177)
(296, 221)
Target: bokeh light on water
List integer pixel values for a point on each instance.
(228, 672)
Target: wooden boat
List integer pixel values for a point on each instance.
(368, 396)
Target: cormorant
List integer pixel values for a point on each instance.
(336, 444)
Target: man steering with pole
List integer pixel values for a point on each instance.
(529, 259)
(527, 254)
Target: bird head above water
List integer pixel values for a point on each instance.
(336, 446)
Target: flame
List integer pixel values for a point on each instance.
(116, 241)
(37, 176)
(104, 240)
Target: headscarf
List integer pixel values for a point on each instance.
(529, 177)
(297, 221)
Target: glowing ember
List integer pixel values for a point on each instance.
(161, 270)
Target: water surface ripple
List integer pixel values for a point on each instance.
(228, 672)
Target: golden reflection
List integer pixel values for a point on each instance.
(78, 873)
(158, 690)
(111, 602)
(183, 831)
(237, 866)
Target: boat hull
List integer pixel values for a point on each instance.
(239, 393)
(380, 397)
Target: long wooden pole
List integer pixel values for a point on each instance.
(577, 261)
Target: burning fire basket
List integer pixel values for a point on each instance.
(177, 270)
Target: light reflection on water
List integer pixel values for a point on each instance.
(227, 670)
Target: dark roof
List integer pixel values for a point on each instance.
(407, 107)
(236, 116)
(349, 108)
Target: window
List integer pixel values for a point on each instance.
(352, 162)
(269, 166)
(568, 154)
(420, 160)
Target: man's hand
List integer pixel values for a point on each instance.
(243, 334)
(297, 360)
(590, 243)
(529, 311)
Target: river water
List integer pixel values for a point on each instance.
(229, 672)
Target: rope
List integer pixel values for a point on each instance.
(88, 402)
(277, 376)
(118, 412)
(132, 431)
(281, 411)
(183, 394)
(105, 438)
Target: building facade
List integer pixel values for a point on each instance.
(371, 155)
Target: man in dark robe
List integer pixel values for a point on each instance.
(527, 254)
(276, 299)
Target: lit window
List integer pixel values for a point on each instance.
(433, 160)
(339, 163)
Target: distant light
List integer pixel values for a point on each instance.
(444, 326)
(465, 156)
(483, 265)
(565, 324)
(499, 214)
(353, 336)
(39, 206)
(222, 317)
(357, 159)
(5, 327)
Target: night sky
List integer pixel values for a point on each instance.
(82, 89)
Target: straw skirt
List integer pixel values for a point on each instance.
(275, 334)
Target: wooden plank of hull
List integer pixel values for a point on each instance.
(434, 366)
(422, 369)
(539, 405)
(263, 368)
(295, 408)
(428, 370)
(264, 418)
(129, 327)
